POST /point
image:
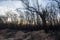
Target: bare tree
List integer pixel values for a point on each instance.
(50, 12)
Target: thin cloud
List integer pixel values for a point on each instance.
(11, 4)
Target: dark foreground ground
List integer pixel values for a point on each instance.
(52, 33)
(10, 34)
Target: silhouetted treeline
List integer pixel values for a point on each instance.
(29, 27)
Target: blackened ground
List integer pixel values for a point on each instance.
(13, 32)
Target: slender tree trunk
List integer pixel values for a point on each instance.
(44, 21)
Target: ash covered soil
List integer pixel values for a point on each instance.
(15, 34)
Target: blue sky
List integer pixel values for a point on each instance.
(18, 4)
(4, 4)
(10, 4)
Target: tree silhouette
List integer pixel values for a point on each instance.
(49, 12)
